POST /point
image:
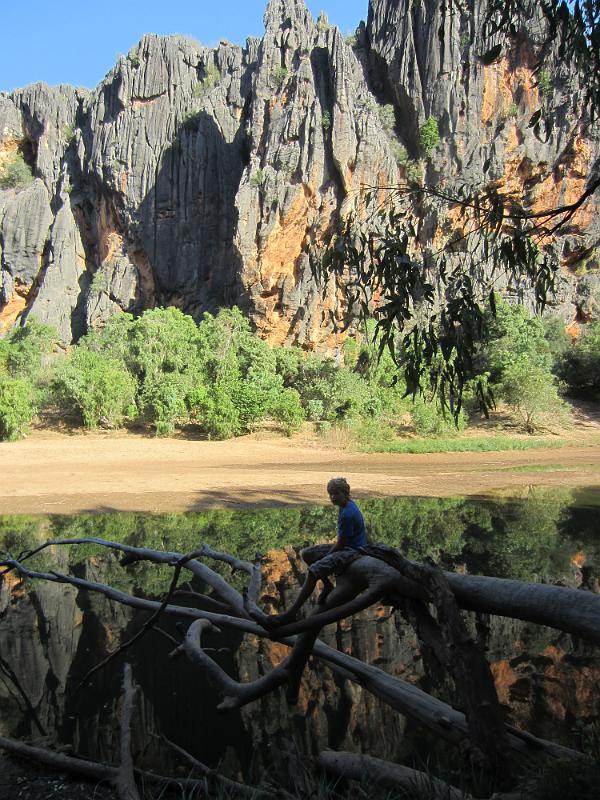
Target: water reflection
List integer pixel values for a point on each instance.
(50, 635)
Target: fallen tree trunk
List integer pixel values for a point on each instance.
(375, 771)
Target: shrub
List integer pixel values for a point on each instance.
(164, 340)
(17, 407)
(258, 179)
(99, 388)
(326, 121)
(163, 401)
(26, 347)
(532, 394)
(429, 136)
(579, 365)
(388, 118)
(14, 173)
(287, 411)
(68, 133)
(513, 336)
(279, 76)
(288, 362)
(114, 339)
(191, 120)
(211, 77)
(429, 419)
(218, 415)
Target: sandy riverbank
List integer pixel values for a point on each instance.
(60, 473)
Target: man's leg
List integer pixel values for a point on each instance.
(305, 592)
(310, 555)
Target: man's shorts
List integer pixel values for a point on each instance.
(323, 563)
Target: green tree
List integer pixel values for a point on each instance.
(429, 136)
(27, 346)
(579, 365)
(287, 411)
(163, 401)
(17, 406)
(98, 388)
(532, 394)
(114, 339)
(514, 336)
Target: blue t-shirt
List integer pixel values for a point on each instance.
(351, 526)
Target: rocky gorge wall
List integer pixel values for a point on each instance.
(200, 177)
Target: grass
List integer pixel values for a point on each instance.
(471, 444)
(549, 468)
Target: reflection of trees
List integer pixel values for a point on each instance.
(381, 575)
(517, 538)
(507, 537)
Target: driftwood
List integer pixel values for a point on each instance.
(429, 597)
(374, 771)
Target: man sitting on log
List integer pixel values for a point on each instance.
(325, 560)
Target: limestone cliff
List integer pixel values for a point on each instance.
(199, 177)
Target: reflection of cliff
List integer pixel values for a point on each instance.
(52, 636)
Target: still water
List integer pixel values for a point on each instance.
(50, 634)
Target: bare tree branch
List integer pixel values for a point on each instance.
(234, 694)
(126, 788)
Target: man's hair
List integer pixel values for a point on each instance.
(341, 484)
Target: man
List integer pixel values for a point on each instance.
(325, 560)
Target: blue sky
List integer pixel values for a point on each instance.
(70, 41)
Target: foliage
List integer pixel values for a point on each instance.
(579, 365)
(513, 336)
(326, 121)
(114, 339)
(211, 77)
(279, 76)
(258, 179)
(17, 406)
(162, 401)
(387, 116)
(431, 419)
(15, 173)
(532, 394)
(511, 111)
(68, 133)
(287, 410)
(26, 346)
(429, 136)
(544, 83)
(97, 387)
